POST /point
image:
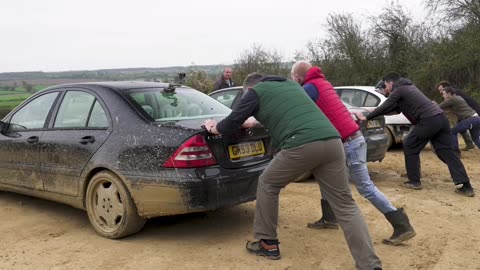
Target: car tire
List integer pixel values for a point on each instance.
(391, 139)
(303, 177)
(110, 207)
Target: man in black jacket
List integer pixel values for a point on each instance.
(430, 125)
(225, 80)
(471, 102)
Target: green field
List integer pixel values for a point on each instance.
(10, 99)
(20, 89)
(5, 92)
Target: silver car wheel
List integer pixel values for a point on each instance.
(110, 208)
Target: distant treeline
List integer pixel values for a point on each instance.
(149, 74)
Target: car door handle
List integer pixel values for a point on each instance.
(87, 139)
(33, 139)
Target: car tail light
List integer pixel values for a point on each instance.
(193, 153)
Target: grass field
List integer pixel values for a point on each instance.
(21, 89)
(10, 103)
(10, 99)
(4, 92)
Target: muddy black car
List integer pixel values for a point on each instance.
(128, 151)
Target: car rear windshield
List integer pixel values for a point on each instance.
(181, 104)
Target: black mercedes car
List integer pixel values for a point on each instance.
(127, 151)
(373, 130)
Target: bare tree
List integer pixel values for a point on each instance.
(317, 52)
(349, 52)
(259, 59)
(456, 10)
(28, 87)
(347, 38)
(199, 79)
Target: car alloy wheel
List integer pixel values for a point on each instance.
(110, 207)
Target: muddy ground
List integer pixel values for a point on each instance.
(37, 234)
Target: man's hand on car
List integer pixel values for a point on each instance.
(250, 122)
(210, 125)
(360, 116)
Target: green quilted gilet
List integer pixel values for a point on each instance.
(292, 118)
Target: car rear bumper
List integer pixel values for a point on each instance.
(376, 147)
(187, 190)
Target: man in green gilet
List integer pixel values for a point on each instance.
(307, 142)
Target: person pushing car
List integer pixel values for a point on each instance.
(325, 97)
(307, 142)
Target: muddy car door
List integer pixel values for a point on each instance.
(20, 142)
(79, 128)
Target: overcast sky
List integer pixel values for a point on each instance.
(60, 35)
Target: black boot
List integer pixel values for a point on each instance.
(328, 220)
(402, 230)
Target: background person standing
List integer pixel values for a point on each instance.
(225, 81)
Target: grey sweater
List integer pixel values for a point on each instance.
(458, 106)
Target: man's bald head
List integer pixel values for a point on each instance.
(299, 70)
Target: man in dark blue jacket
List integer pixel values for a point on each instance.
(430, 125)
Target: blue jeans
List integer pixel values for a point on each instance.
(470, 123)
(356, 157)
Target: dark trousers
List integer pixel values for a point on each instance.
(435, 129)
(471, 123)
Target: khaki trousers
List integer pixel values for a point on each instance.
(326, 160)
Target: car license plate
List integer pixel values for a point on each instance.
(373, 124)
(248, 149)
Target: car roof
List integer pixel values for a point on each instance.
(227, 89)
(117, 85)
(370, 89)
(365, 88)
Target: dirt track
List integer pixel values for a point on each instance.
(37, 234)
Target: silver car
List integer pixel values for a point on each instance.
(396, 126)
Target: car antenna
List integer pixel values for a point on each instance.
(177, 82)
